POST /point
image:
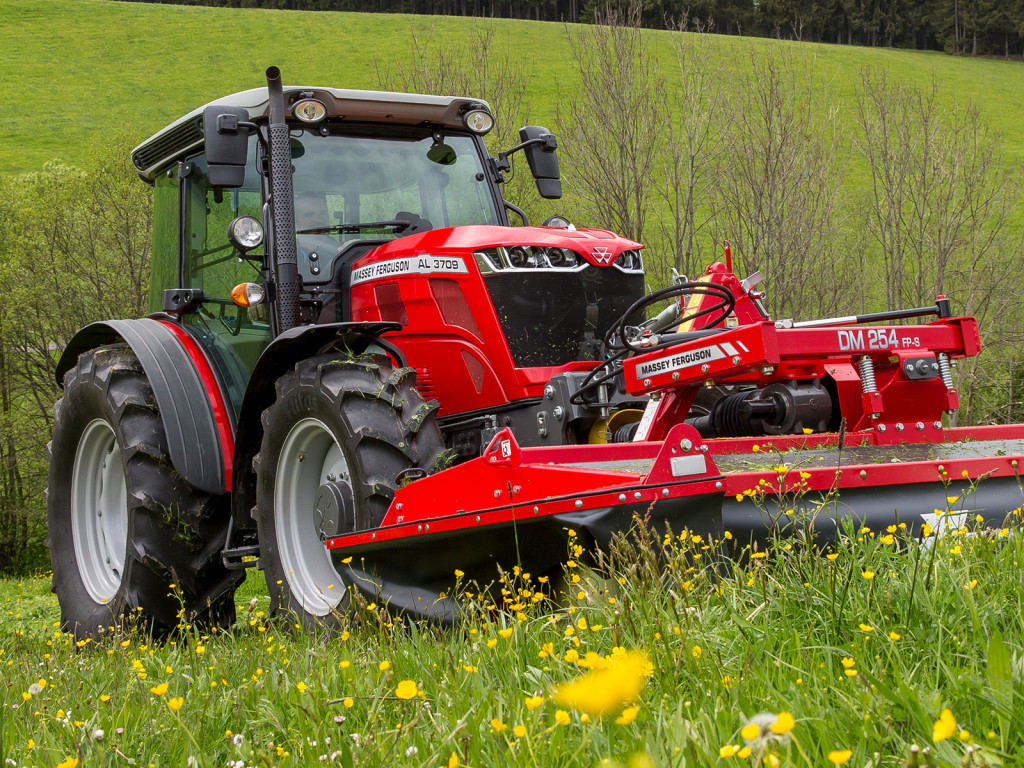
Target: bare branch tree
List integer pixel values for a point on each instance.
(939, 211)
(779, 189)
(612, 124)
(699, 103)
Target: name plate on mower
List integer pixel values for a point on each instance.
(684, 466)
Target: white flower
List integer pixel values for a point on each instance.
(411, 751)
(98, 734)
(237, 739)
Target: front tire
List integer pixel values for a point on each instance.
(338, 429)
(128, 536)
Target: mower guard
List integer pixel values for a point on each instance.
(516, 506)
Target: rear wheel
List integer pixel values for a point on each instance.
(128, 536)
(335, 441)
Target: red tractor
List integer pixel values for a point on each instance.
(357, 374)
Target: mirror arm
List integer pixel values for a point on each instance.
(502, 163)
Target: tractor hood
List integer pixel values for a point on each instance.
(597, 246)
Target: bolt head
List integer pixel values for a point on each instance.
(638, 495)
(664, 492)
(718, 485)
(899, 427)
(578, 504)
(675, 376)
(863, 474)
(920, 426)
(736, 359)
(622, 497)
(937, 424)
(881, 427)
(647, 382)
(686, 444)
(705, 368)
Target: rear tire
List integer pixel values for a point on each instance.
(127, 536)
(359, 422)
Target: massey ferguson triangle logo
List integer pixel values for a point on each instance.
(602, 255)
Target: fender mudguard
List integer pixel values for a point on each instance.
(191, 403)
(278, 358)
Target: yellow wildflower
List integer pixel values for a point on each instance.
(783, 723)
(602, 691)
(729, 750)
(175, 703)
(497, 725)
(532, 702)
(944, 727)
(561, 717)
(840, 756)
(628, 715)
(159, 690)
(406, 689)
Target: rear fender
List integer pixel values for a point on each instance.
(278, 358)
(188, 394)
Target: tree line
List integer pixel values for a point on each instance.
(681, 157)
(974, 27)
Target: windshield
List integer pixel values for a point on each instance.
(371, 184)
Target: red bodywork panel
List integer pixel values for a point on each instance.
(431, 283)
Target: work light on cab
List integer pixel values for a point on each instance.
(478, 121)
(245, 233)
(248, 294)
(309, 110)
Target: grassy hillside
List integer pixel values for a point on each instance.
(74, 71)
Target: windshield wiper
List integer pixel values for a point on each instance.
(398, 224)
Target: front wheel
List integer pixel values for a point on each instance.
(128, 536)
(335, 441)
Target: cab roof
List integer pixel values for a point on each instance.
(185, 135)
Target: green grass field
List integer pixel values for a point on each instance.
(885, 652)
(72, 72)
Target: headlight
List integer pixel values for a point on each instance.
(245, 233)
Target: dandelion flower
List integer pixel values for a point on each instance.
(406, 689)
(944, 727)
(176, 702)
(840, 756)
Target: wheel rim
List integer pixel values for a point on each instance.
(99, 511)
(309, 458)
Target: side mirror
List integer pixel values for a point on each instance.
(540, 154)
(226, 135)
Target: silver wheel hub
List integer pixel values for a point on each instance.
(99, 511)
(310, 457)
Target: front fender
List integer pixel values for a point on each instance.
(277, 359)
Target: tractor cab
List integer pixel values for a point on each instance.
(393, 212)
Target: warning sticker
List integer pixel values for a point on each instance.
(425, 264)
(679, 361)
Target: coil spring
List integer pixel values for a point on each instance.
(867, 375)
(944, 371)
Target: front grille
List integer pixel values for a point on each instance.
(546, 316)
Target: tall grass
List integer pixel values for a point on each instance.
(779, 655)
